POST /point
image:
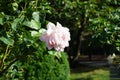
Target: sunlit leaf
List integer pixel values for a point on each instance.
(27, 23)
(36, 16)
(17, 21)
(34, 33)
(35, 25)
(55, 53)
(15, 6)
(7, 41)
(1, 21)
(32, 24)
(42, 30)
(14, 24)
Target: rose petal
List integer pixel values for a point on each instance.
(56, 37)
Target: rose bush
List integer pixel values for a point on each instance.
(22, 55)
(56, 37)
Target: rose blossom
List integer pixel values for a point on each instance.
(56, 37)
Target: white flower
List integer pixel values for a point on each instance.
(56, 37)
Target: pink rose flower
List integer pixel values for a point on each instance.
(56, 37)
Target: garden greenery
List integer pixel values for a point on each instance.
(23, 21)
(22, 55)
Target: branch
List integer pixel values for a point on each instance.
(1, 72)
(12, 62)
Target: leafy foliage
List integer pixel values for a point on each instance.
(95, 22)
(22, 22)
(105, 24)
(22, 54)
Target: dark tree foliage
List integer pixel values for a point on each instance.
(94, 25)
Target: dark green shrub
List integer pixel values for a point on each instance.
(46, 67)
(40, 66)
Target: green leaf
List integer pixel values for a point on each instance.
(32, 24)
(7, 41)
(17, 21)
(36, 16)
(27, 23)
(15, 6)
(42, 30)
(34, 33)
(1, 18)
(14, 24)
(1, 21)
(55, 53)
(35, 25)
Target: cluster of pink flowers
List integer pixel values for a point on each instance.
(56, 36)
